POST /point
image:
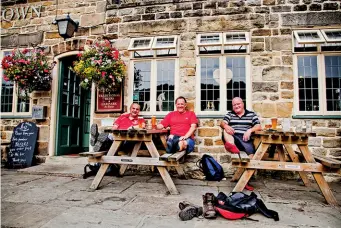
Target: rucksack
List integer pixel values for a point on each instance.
(240, 205)
(113, 170)
(211, 168)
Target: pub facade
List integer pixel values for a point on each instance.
(282, 57)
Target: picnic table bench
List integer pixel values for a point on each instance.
(151, 155)
(286, 159)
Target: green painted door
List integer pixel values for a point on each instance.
(73, 112)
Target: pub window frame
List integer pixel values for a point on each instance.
(320, 55)
(153, 59)
(222, 56)
(15, 96)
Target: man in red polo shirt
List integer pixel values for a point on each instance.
(128, 120)
(103, 141)
(182, 125)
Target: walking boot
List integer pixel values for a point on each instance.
(100, 140)
(208, 203)
(189, 211)
(94, 134)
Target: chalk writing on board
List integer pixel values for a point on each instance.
(22, 147)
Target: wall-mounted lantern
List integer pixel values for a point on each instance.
(66, 26)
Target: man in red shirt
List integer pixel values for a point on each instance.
(182, 125)
(128, 120)
(103, 141)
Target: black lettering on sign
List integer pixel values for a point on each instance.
(23, 143)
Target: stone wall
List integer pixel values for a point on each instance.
(270, 23)
(7, 125)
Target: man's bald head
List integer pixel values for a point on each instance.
(238, 106)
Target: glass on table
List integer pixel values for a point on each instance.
(267, 124)
(140, 122)
(153, 122)
(274, 123)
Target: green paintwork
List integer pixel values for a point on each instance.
(73, 111)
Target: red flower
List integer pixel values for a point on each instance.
(116, 53)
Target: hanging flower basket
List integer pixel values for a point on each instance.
(101, 64)
(29, 69)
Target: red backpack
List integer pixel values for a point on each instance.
(239, 205)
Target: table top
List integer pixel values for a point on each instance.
(137, 131)
(287, 133)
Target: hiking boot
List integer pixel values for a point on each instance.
(94, 134)
(189, 211)
(184, 204)
(208, 203)
(100, 140)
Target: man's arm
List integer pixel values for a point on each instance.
(247, 134)
(189, 132)
(229, 130)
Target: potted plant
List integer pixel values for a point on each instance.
(29, 69)
(100, 63)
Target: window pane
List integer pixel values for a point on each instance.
(141, 87)
(23, 104)
(236, 79)
(210, 39)
(6, 96)
(141, 43)
(210, 84)
(210, 50)
(333, 82)
(165, 85)
(308, 83)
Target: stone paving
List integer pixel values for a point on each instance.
(142, 201)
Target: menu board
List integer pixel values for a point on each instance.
(109, 101)
(23, 143)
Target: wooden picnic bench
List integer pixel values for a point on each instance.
(137, 138)
(286, 160)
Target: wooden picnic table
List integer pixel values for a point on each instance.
(288, 160)
(137, 138)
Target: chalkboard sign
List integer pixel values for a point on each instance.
(23, 143)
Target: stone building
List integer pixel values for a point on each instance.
(283, 57)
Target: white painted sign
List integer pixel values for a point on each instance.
(292, 166)
(9, 14)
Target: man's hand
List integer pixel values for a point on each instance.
(229, 130)
(182, 138)
(247, 134)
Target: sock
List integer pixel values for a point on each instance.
(249, 187)
(231, 148)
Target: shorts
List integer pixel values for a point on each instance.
(242, 145)
(172, 145)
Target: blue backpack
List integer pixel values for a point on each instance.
(211, 168)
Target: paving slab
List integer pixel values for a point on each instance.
(27, 215)
(79, 217)
(143, 201)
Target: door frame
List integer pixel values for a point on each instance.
(54, 101)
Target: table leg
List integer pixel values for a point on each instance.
(136, 149)
(321, 182)
(294, 158)
(100, 174)
(239, 171)
(162, 170)
(249, 172)
(237, 174)
(163, 139)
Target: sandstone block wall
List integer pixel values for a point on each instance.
(270, 23)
